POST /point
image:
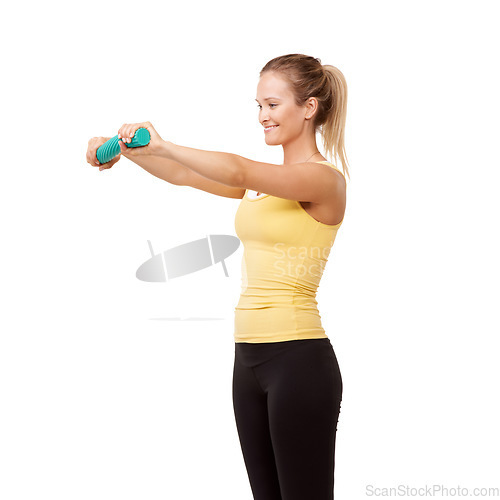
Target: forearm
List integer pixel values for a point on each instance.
(225, 168)
(164, 169)
(167, 170)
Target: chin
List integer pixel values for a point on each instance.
(271, 142)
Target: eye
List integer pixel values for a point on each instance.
(259, 106)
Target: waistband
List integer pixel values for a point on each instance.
(253, 354)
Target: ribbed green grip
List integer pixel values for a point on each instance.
(111, 148)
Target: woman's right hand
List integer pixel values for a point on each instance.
(94, 145)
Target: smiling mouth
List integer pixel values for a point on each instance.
(271, 127)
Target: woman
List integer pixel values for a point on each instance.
(287, 386)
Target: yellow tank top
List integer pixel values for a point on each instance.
(285, 251)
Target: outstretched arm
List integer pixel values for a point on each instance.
(307, 181)
(179, 175)
(218, 166)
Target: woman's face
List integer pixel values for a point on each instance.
(277, 109)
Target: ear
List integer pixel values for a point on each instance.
(311, 107)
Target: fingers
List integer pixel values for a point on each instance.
(106, 166)
(94, 144)
(91, 155)
(124, 149)
(127, 131)
(125, 135)
(94, 157)
(109, 164)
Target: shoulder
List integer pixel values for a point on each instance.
(308, 181)
(338, 172)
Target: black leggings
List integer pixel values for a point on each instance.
(286, 399)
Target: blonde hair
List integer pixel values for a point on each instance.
(309, 78)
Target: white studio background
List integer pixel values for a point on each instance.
(102, 398)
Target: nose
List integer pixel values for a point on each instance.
(263, 116)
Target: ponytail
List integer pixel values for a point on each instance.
(333, 129)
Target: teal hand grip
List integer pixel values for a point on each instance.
(111, 148)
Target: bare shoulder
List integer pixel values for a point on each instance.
(331, 209)
(303, 182)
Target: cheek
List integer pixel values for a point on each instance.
(288, 118)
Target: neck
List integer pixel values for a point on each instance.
(301, 150)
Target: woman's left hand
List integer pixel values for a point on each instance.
(127, 131)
